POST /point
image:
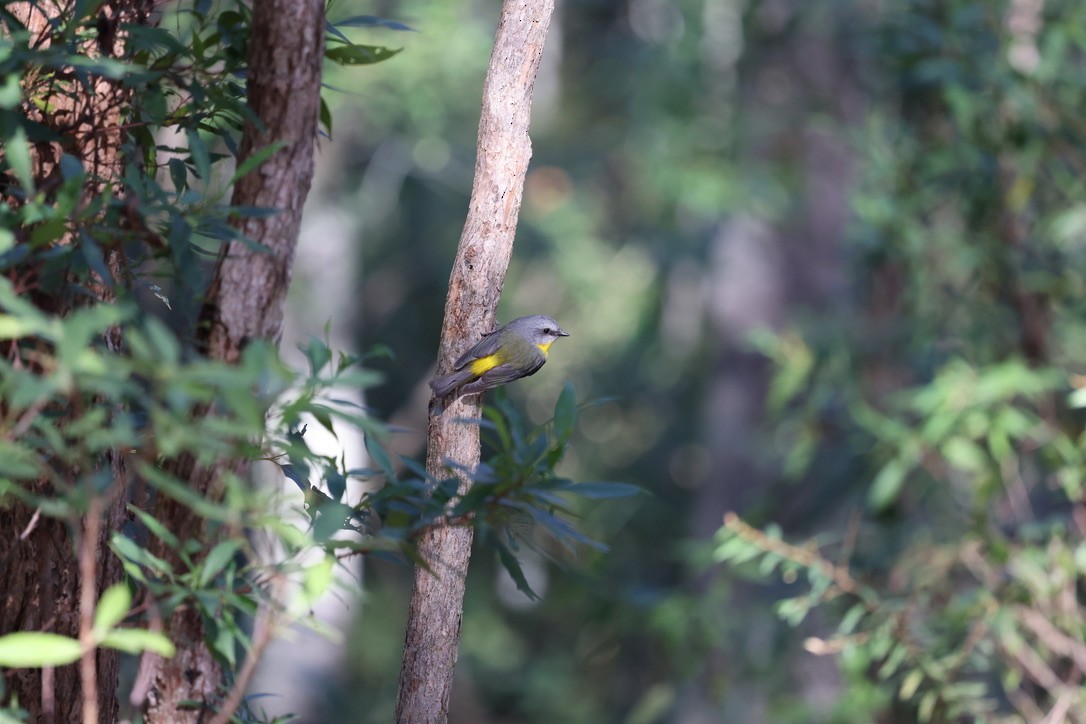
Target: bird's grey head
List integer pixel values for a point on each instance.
(539, 328)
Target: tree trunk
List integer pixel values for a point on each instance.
(39, 555)
(475, 285)
(245, 300)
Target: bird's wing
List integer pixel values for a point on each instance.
(500, 375)
(485, 347)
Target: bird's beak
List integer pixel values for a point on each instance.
(562, 334)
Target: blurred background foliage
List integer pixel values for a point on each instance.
(824, 265)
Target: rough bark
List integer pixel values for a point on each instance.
(475, 285)
(40, 577)
(245, 300)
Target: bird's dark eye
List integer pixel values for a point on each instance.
(548, 330)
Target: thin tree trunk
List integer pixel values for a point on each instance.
(245, 300)
(40, 576)
(475, 285)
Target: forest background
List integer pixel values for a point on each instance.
(824, 266)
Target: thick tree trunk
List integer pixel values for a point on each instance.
(40, 577)
(245, 300)
(475, 285)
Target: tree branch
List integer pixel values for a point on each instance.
(246, 298)
(475, 285)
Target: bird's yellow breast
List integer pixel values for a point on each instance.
(544, 348)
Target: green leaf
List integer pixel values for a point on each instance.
(17, 151)
(201, 159)
(926, 709)
(34, 649)
(965, 454)
(179, 174)
(112, 608)
(372, 21)
(17, 461)
(224, 643)
(852, 619)
(512, 566)
(887, 485)
(47, 232)
(131, 553)
(602, 490)
(359, 54)
(565, 413)
(317, 354)
(137, 640)
(910, 684)
(332, 30)
(216, 560)
(317, 578)
(336, 482)
(379, 456)
(331, 518)
(326, 116)
(11, 92)
(155, 526)
(256, 158)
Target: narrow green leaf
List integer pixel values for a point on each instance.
(34, 649)
(326, 116)
(359, 54)
(129, 551)
(256, 158)
(137, 640)
(317, 354)
(17, 461)
(565, 413)
(336, 482)
(17, 151)
(602, 490)
(112, 608)
(372, 21)
(910, 684)
(512, 566)
(379, 456)
(887, 485)
(224, 643)
(331, 29)
(201, 159)
(216, 560)
(317, 578)
(331, 519)
(11, 92)
(160, 531)
(179, 175)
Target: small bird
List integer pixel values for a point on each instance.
(508, 353)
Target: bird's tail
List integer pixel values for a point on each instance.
(445, 384)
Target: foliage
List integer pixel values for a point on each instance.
(958, 386)
(99, 308)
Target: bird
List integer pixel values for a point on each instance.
(517, 349)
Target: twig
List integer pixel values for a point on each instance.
(486, 243)
(88, 583)
(1034, 667)
(805, 557)
(30, 526)
(1025, 706)
(146, 674)
(262, 634)
(1058, 713)
(1052, 637)
(27, 419)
